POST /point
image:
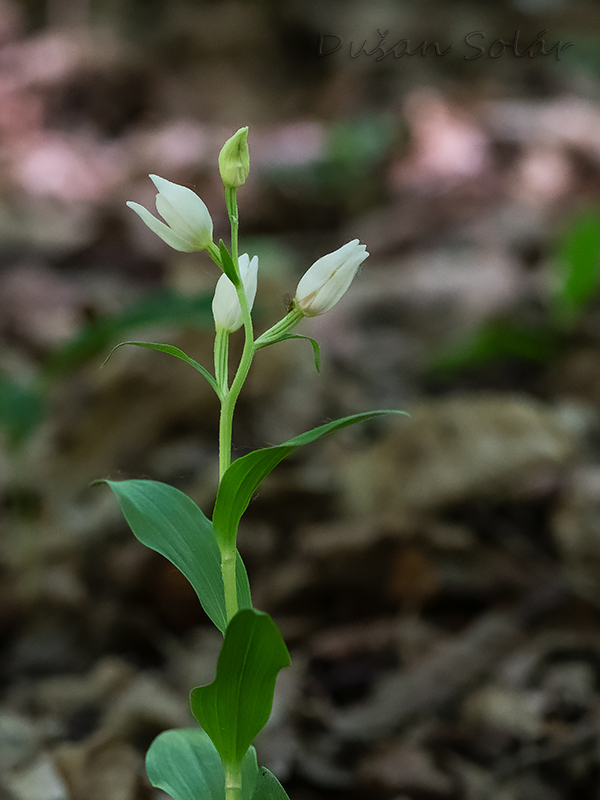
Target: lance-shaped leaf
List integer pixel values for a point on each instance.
(285, 336)
(185, 764)
(237, 704)
(171, 350)
(168, 521)
(245, 475)
(228, 265)
(268, 787)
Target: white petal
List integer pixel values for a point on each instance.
(324, 268)
(184, 211)
(328, 279)
(226, 306)
(173, 239)
(249, 276)
(339, 282)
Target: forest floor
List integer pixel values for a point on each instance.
(437, 577)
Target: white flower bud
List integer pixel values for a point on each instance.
(225, 305)
(328, 279)
(189, 225)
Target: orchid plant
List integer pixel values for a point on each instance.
(217, 761)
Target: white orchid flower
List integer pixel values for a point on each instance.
(328, 279)
(225, 305)
(189, 225)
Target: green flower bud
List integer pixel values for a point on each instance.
(234, 159)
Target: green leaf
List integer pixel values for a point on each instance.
(578, 266)
(268, 787)
(172, 351)
(169, 522)
(228, 265)
(314, 343)
(243, 477)
(185, 764)
(237, 704)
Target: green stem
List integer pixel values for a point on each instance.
(233, 782)
(232, 210)
(228, 558)
(230, 396)
(228, 564)
(280, 328)
(213, 252)
(222, 360)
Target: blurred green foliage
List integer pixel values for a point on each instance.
(164, 308)
(21, 409)
(23, 405)
(355, 145)
(577, 268)
(497, 339)
(350, 171)
(575, 283)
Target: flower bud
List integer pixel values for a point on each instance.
(234, 159)
(225, 305)
(189, 225)
(328, 279)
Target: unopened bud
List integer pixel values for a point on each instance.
(226, 305)
(234, 159)
(328, 279)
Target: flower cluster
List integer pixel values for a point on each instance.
(188, 227)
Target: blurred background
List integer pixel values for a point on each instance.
(437, 579)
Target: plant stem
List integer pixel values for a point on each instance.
(232, 211)
(230, 396)
(222, 360)
(228, 559)
(233, 782)
(213, 252)
(280, 328)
